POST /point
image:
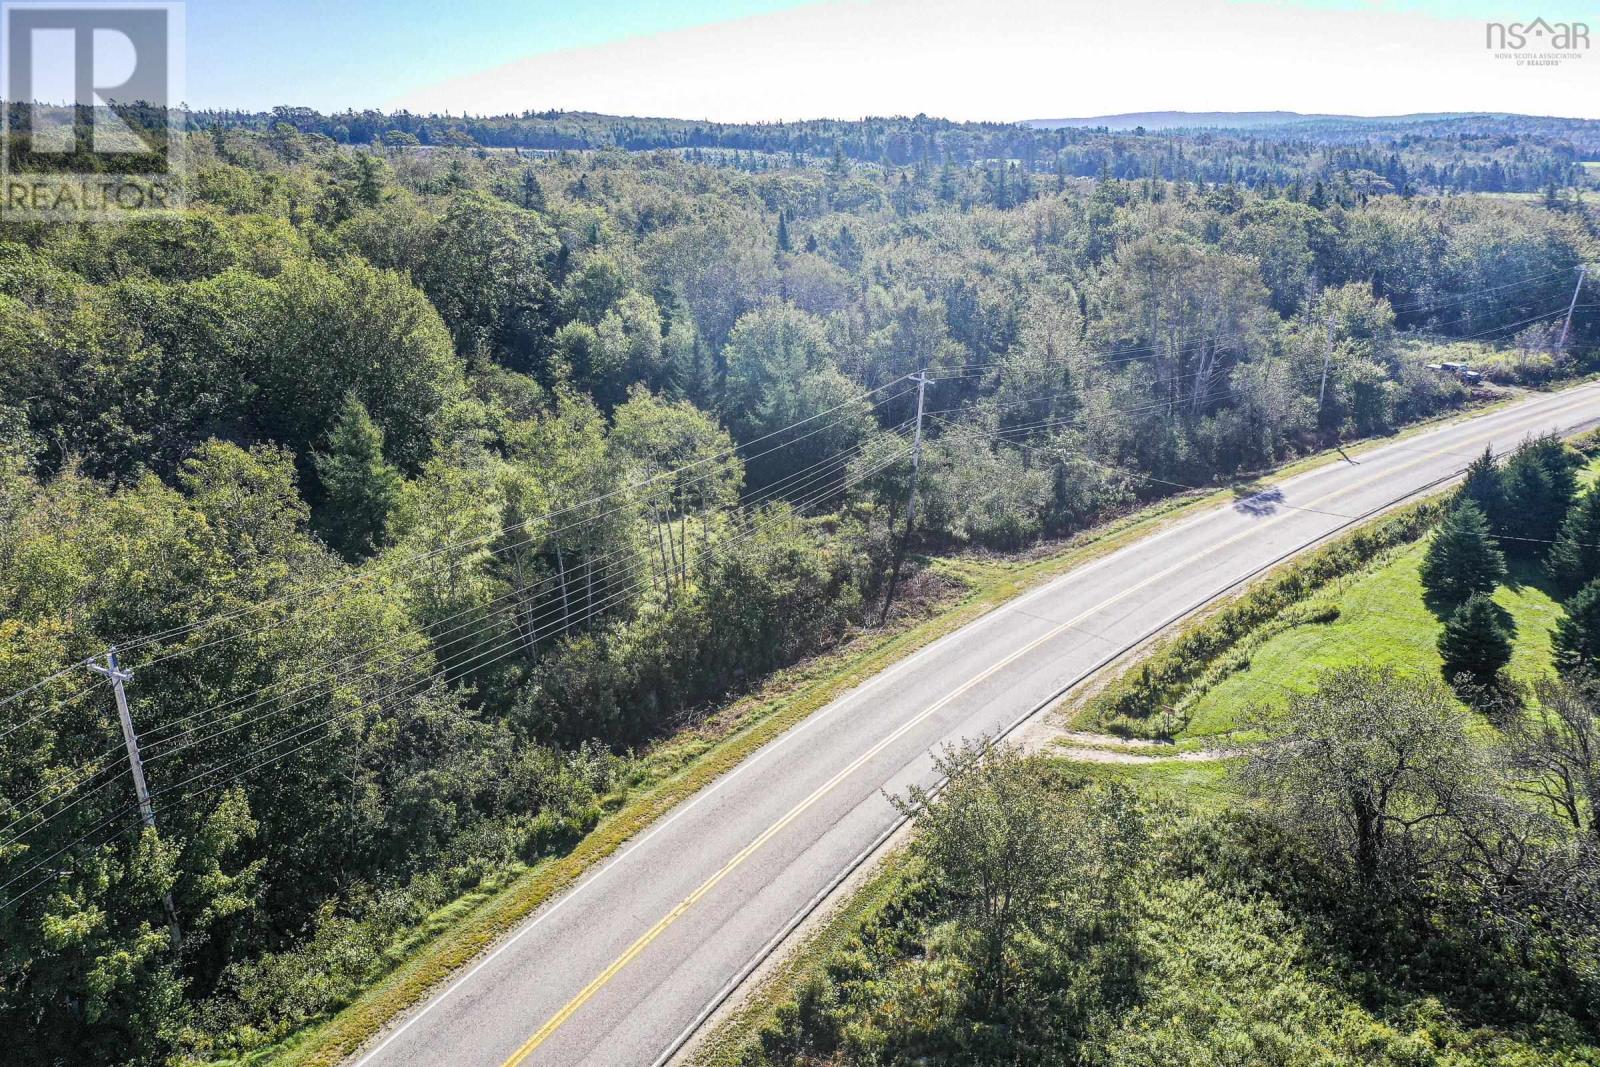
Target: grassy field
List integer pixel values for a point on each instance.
(1203, 783)
(1382, 621)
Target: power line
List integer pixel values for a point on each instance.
(549, 627)
(557, 533)
(436, 677)
(815, 485)
(662, 476)
(378, 568)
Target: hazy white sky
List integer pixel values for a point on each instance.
(1015, 59)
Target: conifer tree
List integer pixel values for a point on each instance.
(1462, 559)
(1576, 640)
(1485, 487)
(1475, 641)
(532, 191)
(360, 487)
(1575, 559)
(1540, 485)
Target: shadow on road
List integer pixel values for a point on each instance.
(1250, 501)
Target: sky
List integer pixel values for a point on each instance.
(774, 60)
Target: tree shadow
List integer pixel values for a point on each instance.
(1443, 607)
(1396, 951)
(1522, 572)
(1249, 500)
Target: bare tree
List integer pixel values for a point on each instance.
(1555, 751)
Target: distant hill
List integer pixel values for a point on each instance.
(1230, 120)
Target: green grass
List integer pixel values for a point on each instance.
(1382, 621)
(1203, 783)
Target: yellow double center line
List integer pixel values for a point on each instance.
(645, 939)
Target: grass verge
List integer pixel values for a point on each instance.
(1377, 618)
(725, 1046)
(1148, 699)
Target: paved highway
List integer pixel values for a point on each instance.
(619, 968)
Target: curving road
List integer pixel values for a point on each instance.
(624, 965)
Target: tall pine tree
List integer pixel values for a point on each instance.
(1541, 483)
(1462, 559)
(1575, 559)
(1576, 640)
(360, 487)
(1485, 487)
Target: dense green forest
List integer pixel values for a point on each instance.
(1422, 155)
(423, 487)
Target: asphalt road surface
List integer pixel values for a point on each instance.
(619, 969)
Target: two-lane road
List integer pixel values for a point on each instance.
(616, 969)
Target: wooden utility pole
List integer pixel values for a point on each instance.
(147, 811)
(1566, 327)
(911, 499)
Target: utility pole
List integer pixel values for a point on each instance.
(1566, 327)
(911, 500)
(147, 812)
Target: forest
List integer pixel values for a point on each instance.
(1422, 154)
(422, 488)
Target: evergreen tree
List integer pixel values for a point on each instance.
(532, 191)
(1577, 636)
(369, 180)
(360, 487)
(837, 166)
(1462, 559)
(1476, 641)
(1575, 559)
(783, 233)
(1485, 487)
(1540, 484)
